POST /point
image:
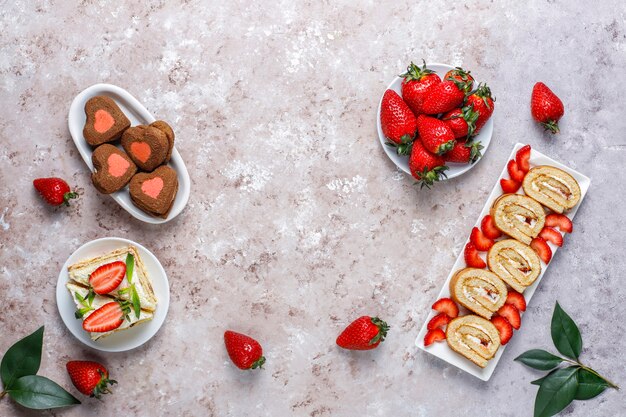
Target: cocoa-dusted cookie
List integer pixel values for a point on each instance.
(105, 121)
(113, 169)
(154, 192)
(147, 146)
(167, 129)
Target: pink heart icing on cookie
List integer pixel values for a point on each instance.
(141, 150)
(103, 121)
(152, 187)
(117, 165)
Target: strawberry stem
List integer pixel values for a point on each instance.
(258, 363)
(552, 126)
(68, 196)
(383, 328)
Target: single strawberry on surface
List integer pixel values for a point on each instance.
(417, 81)
(443, 97)
(435, 134)
(426, 167)
(244, 351)
(483, 103)
(397, 122)
(546, 108)
(54, 190)
(364, 333)
(461, 121)
(464, 152)
(90, 378)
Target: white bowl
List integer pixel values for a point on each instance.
(402, 162)
(129, 338)
(137, 114)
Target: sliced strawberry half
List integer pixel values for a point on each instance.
(515, 173)
(435, 335)
(516, 299)
(522, 157)
(552, 235)
(482, 242)
(108, 317)
(540, 246)
(446, 306)
(509, 186)
(489, 228)
(504, 328)
(107, 277)
(472, 258)
(511, 314)
(561, 221)
(438, 321)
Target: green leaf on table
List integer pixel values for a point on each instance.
(130, 266)
(565, 333)
(556, 392)
(540, 380)
(23, 358)
(135, 300)
(539, 359)
(40, 393)
(589, 385)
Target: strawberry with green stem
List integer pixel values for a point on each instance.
(434, 134)
(54, 190)
(416, 84)
(426, 167)
(482, 103)
(464, 78)
(461, 121)
(397, 122)
(244, 351)
(90, 378)
(364, 333)
(546, 108)
(464, 152)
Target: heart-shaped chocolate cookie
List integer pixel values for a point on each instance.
(169, 133)
(147, 146)
(113, 169)
(105, 121)
(154, 192)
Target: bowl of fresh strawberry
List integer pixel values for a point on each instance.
(434, 121)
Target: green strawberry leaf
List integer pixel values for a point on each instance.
(130, 266)
(556, 392)
(23, 358)
(135, 300)
(40, 393)
(539, 359)
(565, 334)
(589, 385)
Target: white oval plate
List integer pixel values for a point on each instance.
(127, 339)
(401, 161)
(138, 115)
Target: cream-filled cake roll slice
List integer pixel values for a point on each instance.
(518, 216)
(473, 337)
(478, 290)
(515, 263)
(552, 187)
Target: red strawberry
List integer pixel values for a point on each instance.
(515, 173)
(435, 335)
(464, 78)
(425, 166)
(398, 122)
(443, 97)
(446, 306)
(483, 104)
(107, 277)
(244, 351)
(522, 157)
(509, 186)
(90, 378)
(54, 190)
(472, 259)
(461, 121)
(516, 299)
(364, 333)
(464, 152)
(546, 107)
(551, 235)
(439, 320)
(561, 221)
(504, 328)
(435, 135)
(417, 81)
(489, 228)
(480, 241)
(108, 317)
(511, 314)
(540, 246)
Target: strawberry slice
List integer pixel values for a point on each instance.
(540, 246)
(472, 258)
(439, 320)
(552, 235)
(482, 242)
(511, 314)
(108, 317)
(107, 277)
(446, 306)
(515, 172)
(435, 335)
(561, 221)
(516, 299)
(504, 328)
(509, 186)
(522, 157)
(489, 228)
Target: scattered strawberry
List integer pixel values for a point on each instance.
(425, 166)
(483, 104)
(107, 277)
(522, 157)
(464, 152)
(561, 221)
(108, 317)
(540, 246)
(439, 320)
(54, 190)
(417, 81)
(90, 378)
(546, 107)
(509, 186)
(511, 314)
(463, 78)
(480, 241)
(504, 328)
(516, 299)
(461, 121)
(435, 335)
(551, 235)
(364, 333)
(515, 173)
(244, 351)
(398, 122)
(489, 228)
(447, 307)
(472, 258)
(435, 135)
(443, 97)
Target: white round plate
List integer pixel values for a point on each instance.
(138, 115)
(130, 338)
(401, 161)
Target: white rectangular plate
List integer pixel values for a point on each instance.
(441, 350)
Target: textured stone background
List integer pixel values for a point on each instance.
(297, 221)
